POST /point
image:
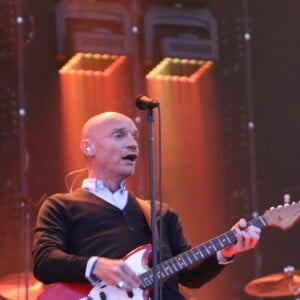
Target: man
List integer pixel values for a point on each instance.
(83, 235)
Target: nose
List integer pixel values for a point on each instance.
(132, 142)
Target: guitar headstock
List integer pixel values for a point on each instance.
(283, 216)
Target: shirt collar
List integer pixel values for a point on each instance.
(96, 185)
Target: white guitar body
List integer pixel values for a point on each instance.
(137, 260)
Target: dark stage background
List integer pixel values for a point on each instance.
(259, 78)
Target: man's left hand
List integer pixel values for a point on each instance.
(247, 238)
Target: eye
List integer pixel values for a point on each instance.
(118, 135)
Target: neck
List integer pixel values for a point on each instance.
(110, 181)
(112, 184)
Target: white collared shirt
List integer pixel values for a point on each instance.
(96, 187)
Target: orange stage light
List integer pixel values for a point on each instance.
(191, 145)
(90, 84)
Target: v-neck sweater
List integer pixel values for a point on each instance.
(72, 227)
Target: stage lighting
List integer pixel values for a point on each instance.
(177, 31)
(93, 27)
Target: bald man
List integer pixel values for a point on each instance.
(84, 234)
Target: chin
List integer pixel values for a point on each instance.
(129, 172)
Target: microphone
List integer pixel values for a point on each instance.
(144, 102)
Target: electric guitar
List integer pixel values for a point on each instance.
(283, 217)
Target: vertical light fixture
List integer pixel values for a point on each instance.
(192, 159)
(90, 84)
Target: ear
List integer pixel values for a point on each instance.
(87, 147)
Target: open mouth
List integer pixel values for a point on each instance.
(130, 157)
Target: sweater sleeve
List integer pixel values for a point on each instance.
(198, 274)
(51, 262)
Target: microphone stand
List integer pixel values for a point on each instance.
(150, 120)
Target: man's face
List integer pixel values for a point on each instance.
(116, 148)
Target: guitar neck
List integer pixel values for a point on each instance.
(194, 255)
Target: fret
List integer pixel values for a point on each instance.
(146, 282)
(209, 248)
(263, 221)
(170, 265)
(188, 257)
(157, 272)
(180, 262)
(146, 279)
(218, 244)
(150, 276)
(225, 241)
(197, 251)
(258, 222)
(174, 266)
(211, 244)
(203, 250)
(160, 273)
(194, 254)
(167, 269)
(230, 236)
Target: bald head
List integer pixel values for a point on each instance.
(109, 143)
(95, 123)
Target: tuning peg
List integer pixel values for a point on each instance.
(289, 269)
(286, 198)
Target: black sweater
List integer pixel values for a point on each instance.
(75, 226)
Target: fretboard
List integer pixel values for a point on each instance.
(194, 255)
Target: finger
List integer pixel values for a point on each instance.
(255, 236)
(129, 272)
(242, 224)
(250, 243)
(240, 246)
(132, 282)
(247, 241)
(254, 231)
(128, 276)
(242, 228)
(250, 239)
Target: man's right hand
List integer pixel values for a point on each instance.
(116, 272)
